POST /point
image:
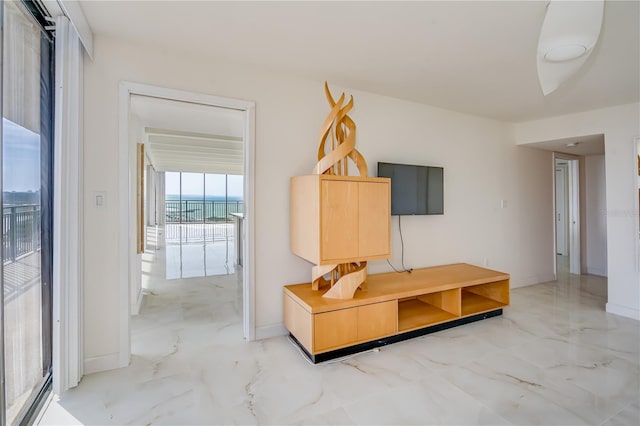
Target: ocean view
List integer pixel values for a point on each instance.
(193, 209)
(176, 197)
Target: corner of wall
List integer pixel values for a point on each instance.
(532, 280)
(268, 331)
(135, 307)
(103, 363)
(623, 311)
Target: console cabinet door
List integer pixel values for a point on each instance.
(339, 221)
(377, 320)
(374, 213)
(332, 330)
(337, 329)
(355, 221)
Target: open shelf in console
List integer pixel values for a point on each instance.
(428, 309)
(413, 314)
(485, 297)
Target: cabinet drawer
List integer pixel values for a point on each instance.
(377, 320)
(334, 329)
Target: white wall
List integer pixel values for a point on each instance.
(596, 215)
(482, 167)
(620, 125)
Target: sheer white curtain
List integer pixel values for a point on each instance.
(22, 350)
(21, 69)
(68, 210)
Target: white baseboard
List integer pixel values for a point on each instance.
(536, 279)
(102, 363)
(623, 311)
(271, 331)
(596, 271)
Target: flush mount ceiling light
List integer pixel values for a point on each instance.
(569, 33)
(573, 144)
(566, 52)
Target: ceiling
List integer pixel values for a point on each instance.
(182, 136)
(475, 57)
(580, 145)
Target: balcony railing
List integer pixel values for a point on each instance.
(20, 231)
(201, 211)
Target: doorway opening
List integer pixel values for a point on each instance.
(578, 219)
(192, 149)
(567, 214)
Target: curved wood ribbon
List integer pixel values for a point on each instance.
(354, 154)
(339, 120)
(347, 285)
(317, 275)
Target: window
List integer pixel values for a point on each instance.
(27, 135)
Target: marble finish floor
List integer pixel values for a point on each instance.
(554, 358)
(199, 250)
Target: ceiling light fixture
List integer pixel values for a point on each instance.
(573, 144)
(569, 33)
(565, 53)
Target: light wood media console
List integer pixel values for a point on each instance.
(392, 307)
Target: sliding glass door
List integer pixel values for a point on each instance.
(204, 213)
(27, 134)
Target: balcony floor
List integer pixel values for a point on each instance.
(199, 250)
(23, 329)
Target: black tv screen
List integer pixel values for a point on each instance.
(415, 190)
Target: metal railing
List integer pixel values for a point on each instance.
(201, 211)
(20, 231)
(186, 233)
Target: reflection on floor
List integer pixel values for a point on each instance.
(554, 357)
(562, 265)
(199, 250)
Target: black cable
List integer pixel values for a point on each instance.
(393, 267)
(404, 269)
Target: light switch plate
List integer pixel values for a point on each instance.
(100, 199)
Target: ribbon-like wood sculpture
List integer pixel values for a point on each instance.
(342, 130)
(345, 278)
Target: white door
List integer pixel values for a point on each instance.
(561, 208)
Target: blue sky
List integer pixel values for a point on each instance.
(20, 158)
(192, 184)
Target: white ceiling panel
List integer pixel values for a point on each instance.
(477, 57)
(182, 136)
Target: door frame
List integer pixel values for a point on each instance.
(563, 169)
(636, 197)
(575, 238)
(126, 197)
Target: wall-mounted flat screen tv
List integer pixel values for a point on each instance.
(415, 190)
